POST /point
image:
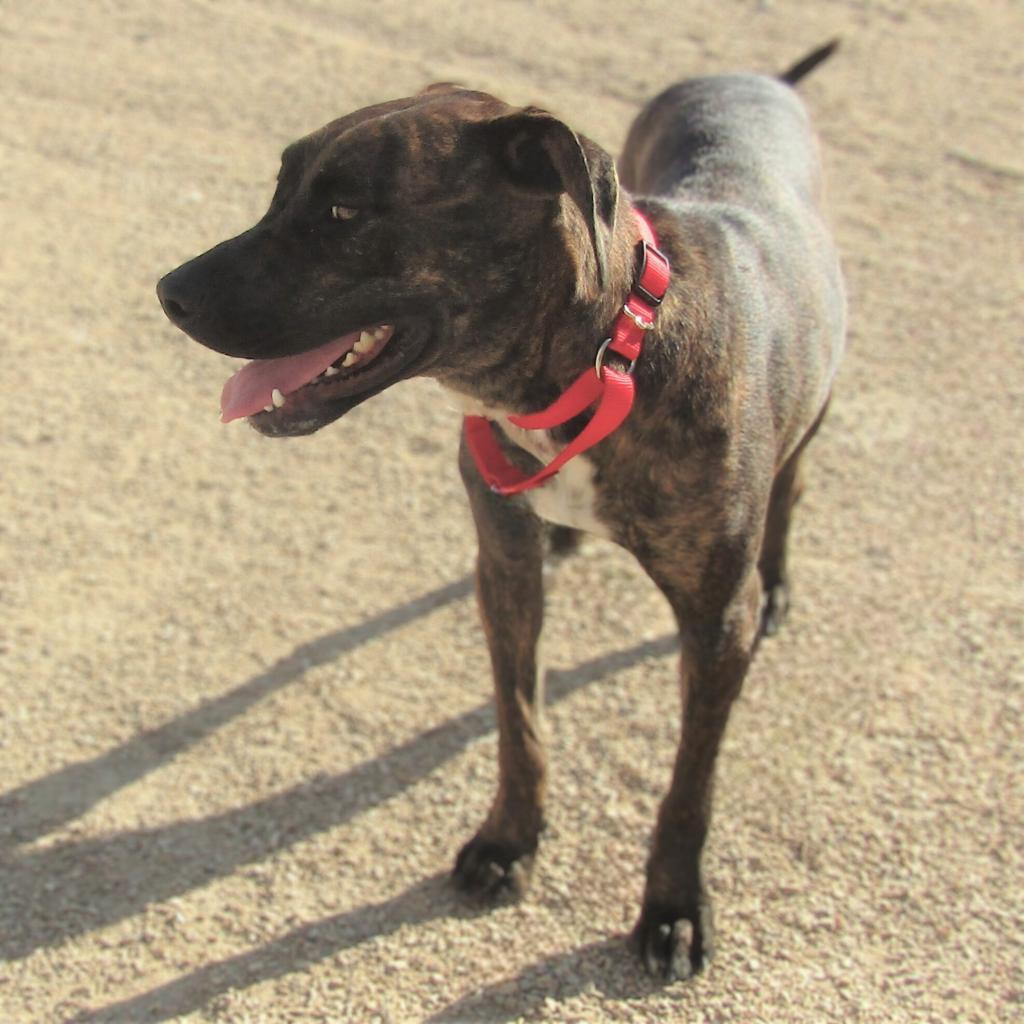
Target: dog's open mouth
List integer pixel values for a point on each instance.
(340, 369)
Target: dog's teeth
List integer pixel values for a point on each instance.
(268, 408)
(350, 359)
(365, 343)
(277, 398)
(379, 332)
(331, 371)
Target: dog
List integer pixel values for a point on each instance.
(494, 249)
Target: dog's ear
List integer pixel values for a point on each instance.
(542, 154)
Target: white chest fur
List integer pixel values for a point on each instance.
(568, 498)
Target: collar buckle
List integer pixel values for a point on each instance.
(652, 277)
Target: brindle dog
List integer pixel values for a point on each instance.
(453, 236)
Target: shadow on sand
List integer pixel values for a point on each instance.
(76, 886)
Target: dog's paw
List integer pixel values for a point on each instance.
(491, 870)
(774, 609)
(674, 945)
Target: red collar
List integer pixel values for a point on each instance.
(613, 390)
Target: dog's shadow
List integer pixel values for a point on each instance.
(597, 966)
(71, 887)
(39, 807)
(297, 950)
(604, 967)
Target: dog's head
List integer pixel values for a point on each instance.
(422, 236)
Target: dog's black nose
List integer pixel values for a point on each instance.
(174, 298)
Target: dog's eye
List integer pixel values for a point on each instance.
(339, 212)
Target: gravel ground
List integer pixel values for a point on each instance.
(246, 716)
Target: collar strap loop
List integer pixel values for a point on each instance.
(599, 360)
(613, 390)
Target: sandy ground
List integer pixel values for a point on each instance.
(245, 719)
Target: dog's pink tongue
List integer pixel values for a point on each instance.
(250, 390)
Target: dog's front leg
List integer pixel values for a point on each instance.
(675, 935)
(499, 857)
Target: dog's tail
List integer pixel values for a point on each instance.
(809, 63)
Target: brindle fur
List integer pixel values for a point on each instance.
(501, 244)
